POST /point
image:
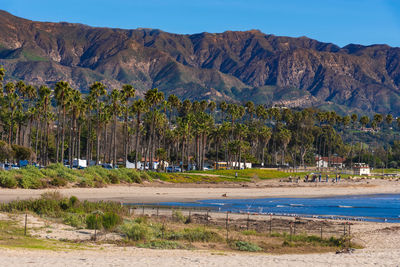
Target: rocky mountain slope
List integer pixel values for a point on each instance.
(233, 66)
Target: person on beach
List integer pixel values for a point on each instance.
(327, 178)
(339, 178)
(319, 178)
(336, 178)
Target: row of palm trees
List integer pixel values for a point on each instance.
(61, 123)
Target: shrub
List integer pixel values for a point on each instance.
(113, 178)
(162, 244)
(195, 235)
(110, 220)
(75, 220)
(23, 153)
(6, 152)
(136, 231)
(73, 201)
(27, 181)
(57, 181)
(178, 216)
(94, 221)
(245, 246)
(7, 181)
(145, 176)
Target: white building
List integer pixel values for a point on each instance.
(361, 169)
(235, 164)
(334, 161)
(140, 165)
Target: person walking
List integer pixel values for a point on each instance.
(327, 178)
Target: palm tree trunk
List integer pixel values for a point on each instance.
(137, 139)
(115, 141)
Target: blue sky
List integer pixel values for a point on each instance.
(340, 21)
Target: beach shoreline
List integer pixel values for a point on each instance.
(157, 192)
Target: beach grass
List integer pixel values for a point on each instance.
(175, 231)
(13, 236)
(253, 173)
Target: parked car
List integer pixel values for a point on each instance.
(173, 169)
(108, 166)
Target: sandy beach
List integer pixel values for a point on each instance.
(379, 239)
(165, 192)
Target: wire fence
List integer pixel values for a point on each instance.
(237, 222)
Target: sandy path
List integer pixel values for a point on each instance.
(154, 193)
(145, 257)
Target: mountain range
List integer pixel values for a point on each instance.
(234, 66)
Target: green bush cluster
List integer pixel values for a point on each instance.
(70, 209)
(57, 175)
(162, 244)
(195, 235)
(137, 231)
(245, 246)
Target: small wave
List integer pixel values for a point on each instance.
(218, 204)
(296, 205)
(281, 206)
(346, 207)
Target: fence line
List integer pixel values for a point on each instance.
(262, 223)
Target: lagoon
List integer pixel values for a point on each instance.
(378, 208)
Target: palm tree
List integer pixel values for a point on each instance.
(250, 108)
(152, 98)
(62, 92)
(138, 108)
(114, 98)
(223, 107)
(2, 74)
(44, 99)
(97, 90)
(128, 92)
(264, 134)
(174, 103)
(389, 119)
(364, 120)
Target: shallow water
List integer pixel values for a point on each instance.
(364, 207)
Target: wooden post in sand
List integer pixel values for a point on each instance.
(321, 231)
(226, 224)
(294, 227)
(349, 239)
(26, 220)
(270, 225)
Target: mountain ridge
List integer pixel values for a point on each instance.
(231, 66)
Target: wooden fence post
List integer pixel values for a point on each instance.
(227, 227)
(26, 220)
(270, 225)
(321, 231)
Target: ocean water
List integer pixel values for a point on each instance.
(361, 207)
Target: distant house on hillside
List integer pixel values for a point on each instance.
(325, 162)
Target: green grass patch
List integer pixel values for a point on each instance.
(245, 246)
(12, 236)
(162, 244)
(252, 173)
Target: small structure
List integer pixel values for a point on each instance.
(334, 161)
(79, 163)
(361, 169)
(227, 165)
(140, 165)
